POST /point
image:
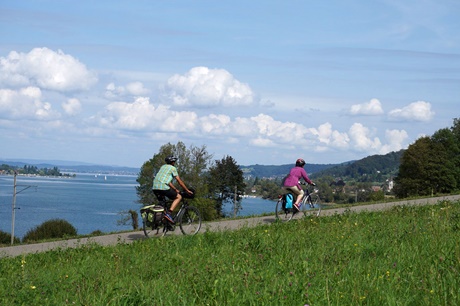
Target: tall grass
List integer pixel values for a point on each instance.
(404, 256)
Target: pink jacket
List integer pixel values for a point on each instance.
(294, 176)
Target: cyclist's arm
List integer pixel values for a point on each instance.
(306, 178)
(171, 185)
(182, 184)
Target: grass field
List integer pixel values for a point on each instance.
(404, 256)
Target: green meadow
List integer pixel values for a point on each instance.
(403, 256)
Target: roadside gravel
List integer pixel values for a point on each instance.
(128, 237)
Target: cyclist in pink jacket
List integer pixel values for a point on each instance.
(292, 181)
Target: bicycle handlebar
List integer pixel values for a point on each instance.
(305, 183)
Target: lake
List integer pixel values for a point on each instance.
(89, 202)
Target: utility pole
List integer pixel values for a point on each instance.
(234, 202)
(13, 208)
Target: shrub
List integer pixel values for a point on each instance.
(55, 228)
(129, 217)
(5, 238)
(97, 233)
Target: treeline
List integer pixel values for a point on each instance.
(277, 171)
(31, 170)
(431, 165)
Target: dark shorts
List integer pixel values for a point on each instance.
(170, 193)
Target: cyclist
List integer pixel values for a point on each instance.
(292, 181)
(163, 186)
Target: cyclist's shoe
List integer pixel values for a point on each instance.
(297, 207)
(169, 217)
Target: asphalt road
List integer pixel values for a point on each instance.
(128, 237)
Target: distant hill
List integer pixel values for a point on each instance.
(367, 168)
(70, 166)
(272, 171)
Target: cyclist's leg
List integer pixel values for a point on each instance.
(298, 194)
(170, 194)
(177, 198)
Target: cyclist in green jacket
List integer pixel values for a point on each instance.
(163, 186)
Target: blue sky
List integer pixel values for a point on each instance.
(265, 82)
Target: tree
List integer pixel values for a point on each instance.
(192, 165)
(413, 177)
(456, 129)
(445, 162)
(226, 183)
(431, 164)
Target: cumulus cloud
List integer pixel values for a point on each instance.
(141, 115)
(280, 132)
(131, 89)
(326, 135)
(25, 103)
(361, 138)
(215, 124)
(46, 69)
(416, 111)
(262, 142)
(71, 106)
(373, 107)
(396, 140)
(206, 87)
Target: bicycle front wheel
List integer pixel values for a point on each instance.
(312, 206)
(283, 214)
(190, 221)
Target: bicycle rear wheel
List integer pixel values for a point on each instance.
(190, 220)
(149, 227)
(312, 206)
(283, 214)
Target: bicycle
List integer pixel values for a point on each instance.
(310, 205)
(188, 218)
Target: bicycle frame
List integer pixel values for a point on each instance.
(309, 198)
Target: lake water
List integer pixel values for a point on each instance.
(89, 202)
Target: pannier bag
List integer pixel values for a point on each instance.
(152, 213)
(288, 200)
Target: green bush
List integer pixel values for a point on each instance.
(97, 233)
(206, 208)
(55, 228)
(5, 238)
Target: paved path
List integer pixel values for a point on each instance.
(128, 237)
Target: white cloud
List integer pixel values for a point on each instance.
(131, 89)
(373, 107)
(360, 137)
(326, 135)
(141, 115)
(215, 124)
(416, 111)
(137, 89)
(72, 106)
(396, 140)
(25, 103)
(280, 132)
(262, 142)
(205, 87)
(45, 69)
